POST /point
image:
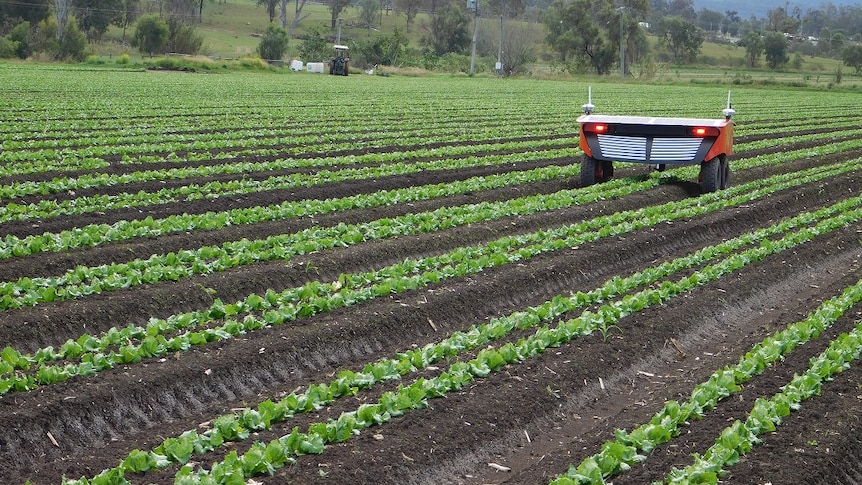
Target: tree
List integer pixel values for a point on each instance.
(72, 42)
(127, 15)
(369, 10)
(184, 37)
(270, 6)
(273, 44)
(447, 29)
(297, 17)
(188, 10)
(852, 57)
(682, 8)
(335, 9)
(315, 47)
(61, 13)
(753, 48)
(8, 48)
(775, 49)
(32, 11)
(586, 33)
(836, 41)
(573, 33)
(681, 37)
(710, 20)
(518, 48)
(94, 16)
(381, 49)
(780, 21)
(151, 35)
(20, 36)
(507, 8)
(409, 8)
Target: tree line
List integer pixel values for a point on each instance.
(598, 36)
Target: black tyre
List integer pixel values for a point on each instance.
(725, 170)
(607, 170)
(714, 174)
(588, 171)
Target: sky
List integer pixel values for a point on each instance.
(758, 8)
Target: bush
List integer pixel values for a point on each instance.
(72, 42)
(315, 47)
(44, 37)
(123, 59)
(21, 34)
(184, 38)
(253, 63)
(273, 44)
(151, 35)
(8, 48)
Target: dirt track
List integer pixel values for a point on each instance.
(535, 418)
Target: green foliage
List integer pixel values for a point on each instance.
(94, 16)
(273, 44)
(73, 42)
(682, 38)
(8, 48)
(151, 35)
(44, 36)
(32, 11)
(447, 29)
(369, 13)
(852, 57)
(21, 35)
(336, 7)
(184, 37)
(775, 49)
(270, 6)
(576, 37)
(315, 46)
(380, 49)
(753, 43)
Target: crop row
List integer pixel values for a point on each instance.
(134, 343)
(62, 184)
(96, 234)
(265, 457)
(318, 142)
(95, 180)
(285, 145)
(215, 189)
(766, 414)
(211, 131)
(620, 454)
(209, 259)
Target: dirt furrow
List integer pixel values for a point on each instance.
(308, 352)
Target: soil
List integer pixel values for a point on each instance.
(532, 419)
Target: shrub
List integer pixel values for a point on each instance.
(151, 35)
(72, 42)
(184, 38)
(273, 44)
(8, 48)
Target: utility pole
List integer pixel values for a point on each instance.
(474, 6)
(500, 51)
(622, 45)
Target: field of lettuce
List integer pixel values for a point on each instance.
(260, 279)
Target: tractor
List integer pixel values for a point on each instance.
(660, 142)
(338, 66)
